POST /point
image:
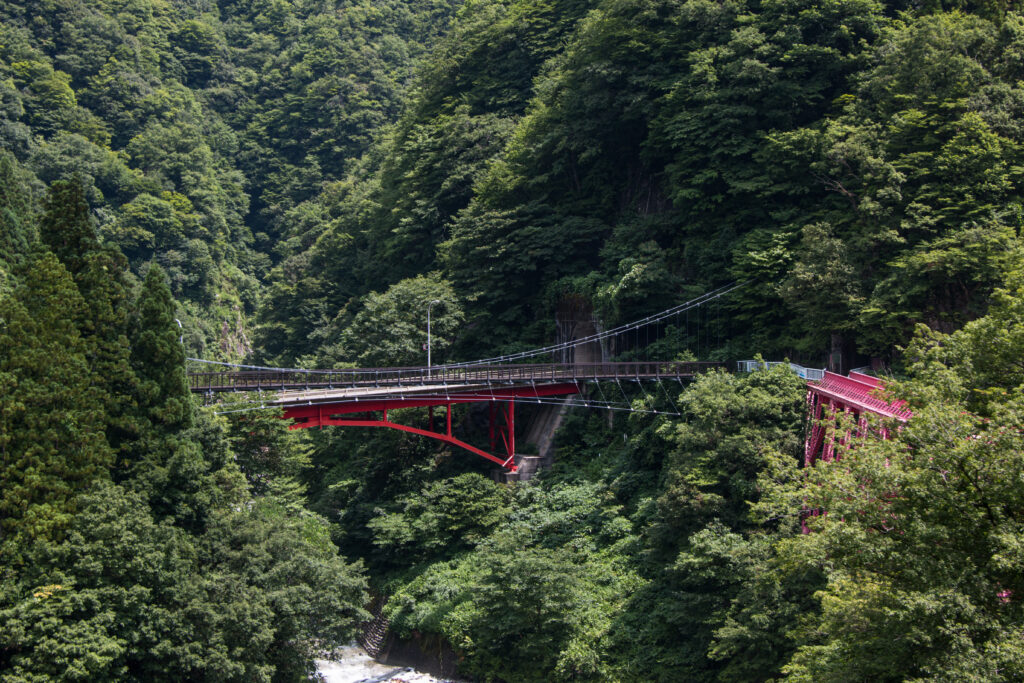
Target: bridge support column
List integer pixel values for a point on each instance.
(838, 409)
(492, 410)
(510, 423)
(507, 432)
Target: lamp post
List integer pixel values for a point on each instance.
(435, 301)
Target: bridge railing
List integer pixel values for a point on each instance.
(284, 380)
(811, 374)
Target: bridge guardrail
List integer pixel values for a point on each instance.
(283, 380)
(810, 374)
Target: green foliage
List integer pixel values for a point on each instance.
(176, 569)
(333, 167)
(919, 170)
(536, 599)
(444, 518)
(731, 428)
(283, 563)
(104, 602)
(159, 111)
(919, 541)
(824, 150)
(390, 330)
(323, 78)
(611, 571)
(123, 597)
(266, 451)
(158, 356)
(65, 226)
(51, 427)
(17, 230)
(167, 463)
(531, 630)
(712, 608)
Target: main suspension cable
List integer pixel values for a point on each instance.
(621, 329)
(596, 337)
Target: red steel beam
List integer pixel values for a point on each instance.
(323, 414)
(343, 407)
(412, 430)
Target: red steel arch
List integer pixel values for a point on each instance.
(332, 413)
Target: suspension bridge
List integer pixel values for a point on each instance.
(320, 398)
(364, 397)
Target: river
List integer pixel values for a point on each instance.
(353, 665)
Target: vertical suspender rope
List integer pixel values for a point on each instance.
(669, 397)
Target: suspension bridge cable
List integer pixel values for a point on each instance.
(463, 398)
(633, 326)
(669, 397)
(585, 403)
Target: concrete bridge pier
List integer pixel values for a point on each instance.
(527, 467)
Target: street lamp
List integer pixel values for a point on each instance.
(435, 301)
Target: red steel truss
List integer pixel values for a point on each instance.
(855, 395)
(331, 412)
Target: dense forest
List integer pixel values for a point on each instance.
(294, 181)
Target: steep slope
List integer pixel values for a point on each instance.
(645, 151)
(195, 128)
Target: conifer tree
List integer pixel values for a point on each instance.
(15, 210)
(105, 329)
(158, 357)
(98, 272)
(169, 465)
(51, 430)
(66, 227)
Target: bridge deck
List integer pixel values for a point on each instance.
(350, 383)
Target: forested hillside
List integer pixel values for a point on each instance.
(861, 165)
(197, 127)
(296, 181)
(137, 539)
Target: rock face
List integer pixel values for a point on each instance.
(355, 666)
(411, 676)
(541, 433)
(575, 319)
(410, 658)
(541, 430)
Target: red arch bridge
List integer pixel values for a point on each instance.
(364, 397)
(354, 397)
